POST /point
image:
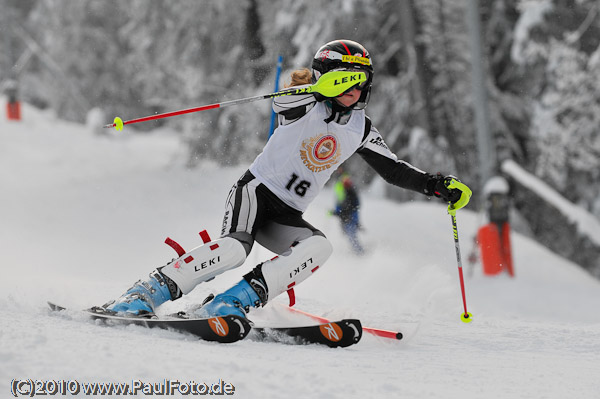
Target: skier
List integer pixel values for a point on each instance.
(315, 136)
(346, 208)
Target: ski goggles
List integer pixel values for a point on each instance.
(360, 86)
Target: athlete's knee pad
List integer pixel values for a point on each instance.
(205, 262)
(287, 271)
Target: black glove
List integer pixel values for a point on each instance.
(437, 185)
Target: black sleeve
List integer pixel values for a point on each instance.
(398, 173)
(394, 171)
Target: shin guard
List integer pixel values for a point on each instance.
(204, 263)
(286, 271)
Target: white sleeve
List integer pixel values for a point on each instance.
(292, 107)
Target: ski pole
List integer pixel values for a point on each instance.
(452, 208)
(465, 317)
(331, 84)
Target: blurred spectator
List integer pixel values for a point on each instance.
(346, 208)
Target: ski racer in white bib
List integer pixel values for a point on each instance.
(315, 136)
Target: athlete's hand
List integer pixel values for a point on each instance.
(451, 190)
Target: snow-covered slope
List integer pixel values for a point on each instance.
(83, 216)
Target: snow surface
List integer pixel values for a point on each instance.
(84, 215)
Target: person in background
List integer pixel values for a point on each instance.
(347, 209)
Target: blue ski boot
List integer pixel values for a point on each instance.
(144, 297)
(235, 301)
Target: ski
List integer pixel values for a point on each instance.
(333, 334)
(397, 335)
(225, 329)
(228, 329)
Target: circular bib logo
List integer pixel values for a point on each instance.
(325, 148)
(320, 153)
